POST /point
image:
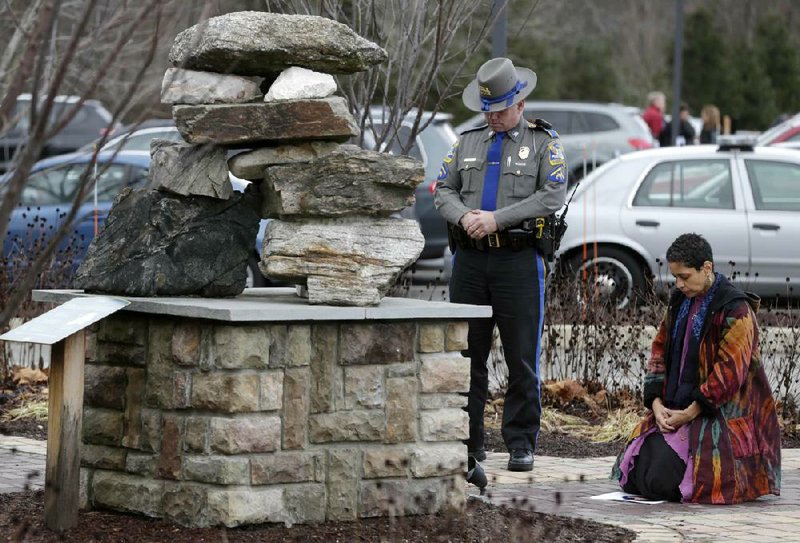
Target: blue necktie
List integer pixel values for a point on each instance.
(492, 176)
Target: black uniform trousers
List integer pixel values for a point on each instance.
(513, 283)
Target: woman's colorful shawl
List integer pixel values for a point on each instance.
(735, 444)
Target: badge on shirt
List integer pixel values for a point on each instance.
(524, 152)
(443, 172)
(556, 153)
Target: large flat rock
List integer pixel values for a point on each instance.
(347, 261)
(260, 43)
(266, 122)
(347, 181)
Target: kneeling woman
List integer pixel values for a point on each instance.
(712, 434)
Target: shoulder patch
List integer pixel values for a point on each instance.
(541, 124)
(451, 153)
(444, 171)
(558, 174)
(555, 153)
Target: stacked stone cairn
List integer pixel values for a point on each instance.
(332, 231)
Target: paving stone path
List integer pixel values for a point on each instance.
(561, 486)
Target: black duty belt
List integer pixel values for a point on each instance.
(542, 233)
(498, 240)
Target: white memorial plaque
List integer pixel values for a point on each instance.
(65, 320)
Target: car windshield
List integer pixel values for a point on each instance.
(59, 184)
(141, 141)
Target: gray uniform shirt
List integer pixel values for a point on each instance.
(533, 175)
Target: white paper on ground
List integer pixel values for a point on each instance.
(625, 497)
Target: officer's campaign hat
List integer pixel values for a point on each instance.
(498, 85)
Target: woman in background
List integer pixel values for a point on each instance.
(710, 116)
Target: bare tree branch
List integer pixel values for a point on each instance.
(15, 68)
(28, 154)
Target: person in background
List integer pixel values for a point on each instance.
(654, 114)
(711, 124)
(496, 178)
(712, 433)
(686, 133)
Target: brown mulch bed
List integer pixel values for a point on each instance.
(24, 428)
(557, 444)
(13, 396)
(21, 520)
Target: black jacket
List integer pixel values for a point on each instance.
(685, 129)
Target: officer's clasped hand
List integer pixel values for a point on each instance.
(479, 224)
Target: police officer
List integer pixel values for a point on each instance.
(495, 178)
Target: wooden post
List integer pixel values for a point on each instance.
(64, 417)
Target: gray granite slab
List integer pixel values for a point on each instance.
(280, 305)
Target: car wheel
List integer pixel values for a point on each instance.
(611, 278)
(254, 277)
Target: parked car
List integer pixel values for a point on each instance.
(51, 187)
(48, 195)
(91, 121)
(139, 138)
(591, 133)
(745, 200)
(784, 133)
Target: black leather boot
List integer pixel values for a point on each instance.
(520, 460)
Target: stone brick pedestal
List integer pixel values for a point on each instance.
(265, 409)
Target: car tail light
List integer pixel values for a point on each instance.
(639, 143)
(432, 186)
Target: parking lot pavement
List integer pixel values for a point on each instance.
(22, 463)
(563, 486)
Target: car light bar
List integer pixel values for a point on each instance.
(736, 142)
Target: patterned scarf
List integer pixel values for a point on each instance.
(700, 317)
(680, 385)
